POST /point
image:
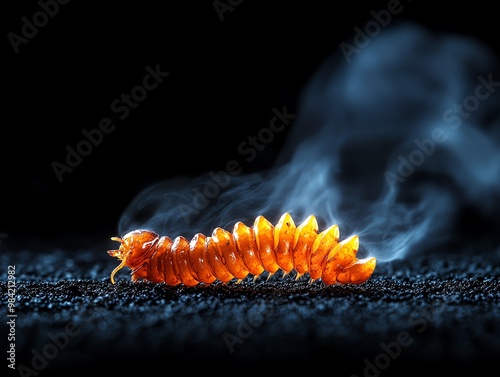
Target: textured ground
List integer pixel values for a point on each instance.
(423, 314)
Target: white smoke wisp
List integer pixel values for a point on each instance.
(391, 147)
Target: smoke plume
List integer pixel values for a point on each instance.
(397, 146)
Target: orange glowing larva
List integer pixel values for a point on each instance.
(245, 251)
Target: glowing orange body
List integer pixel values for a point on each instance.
(245, 251)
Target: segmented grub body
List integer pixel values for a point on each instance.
(245, 251)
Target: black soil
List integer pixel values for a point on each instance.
(421, 314)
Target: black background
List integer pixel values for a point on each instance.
(226, 76)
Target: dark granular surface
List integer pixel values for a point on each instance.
(423, 314)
